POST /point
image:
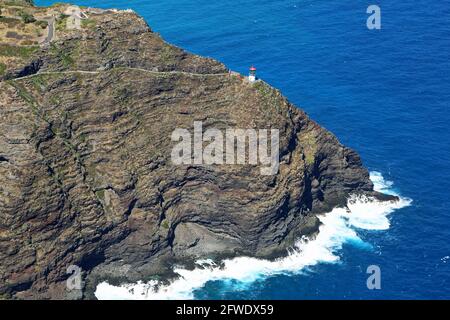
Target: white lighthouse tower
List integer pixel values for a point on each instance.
(252, 74)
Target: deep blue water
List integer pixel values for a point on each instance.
(385, 93)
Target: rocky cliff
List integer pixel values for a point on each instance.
(85, 170)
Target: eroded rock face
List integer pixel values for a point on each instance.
(87, 179)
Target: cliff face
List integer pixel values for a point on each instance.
(85, 169)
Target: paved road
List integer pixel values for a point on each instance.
(51, 30)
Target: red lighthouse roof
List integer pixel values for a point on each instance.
(252, 68)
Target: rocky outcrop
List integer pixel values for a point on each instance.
(85, 169)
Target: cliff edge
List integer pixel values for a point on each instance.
(85, 168)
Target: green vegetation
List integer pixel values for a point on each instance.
(30, 100)
(100, 194)
(38, 82)
(17, 51)
(23, 93)
(65, 58)
(269, 96)
(266, 91)
(123, 95)
(88, 23)
(57, 4)
(5, 296)
(26, 17)
(83, 138)
(105, 203)
(58, 176)
(41, 23)
(28, 42)
(309, 144)
(19, 3)
(54, 100)
(168, 55)
(2, 69)
(61, 22)
(165, 224)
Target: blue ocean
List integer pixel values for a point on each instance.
(384, 93)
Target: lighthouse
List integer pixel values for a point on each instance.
(252, 74)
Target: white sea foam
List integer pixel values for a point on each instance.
(338, 227)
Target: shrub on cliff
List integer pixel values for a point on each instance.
(27, 18)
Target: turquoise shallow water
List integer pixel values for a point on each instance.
(384, 93)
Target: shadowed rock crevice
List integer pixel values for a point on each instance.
(27, 70)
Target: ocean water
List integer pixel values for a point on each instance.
(385, 93)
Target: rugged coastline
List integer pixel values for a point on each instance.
(85, 160)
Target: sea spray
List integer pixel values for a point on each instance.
(338, 227)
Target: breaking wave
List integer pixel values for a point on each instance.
(338, 227)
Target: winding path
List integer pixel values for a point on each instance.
(124, 68)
